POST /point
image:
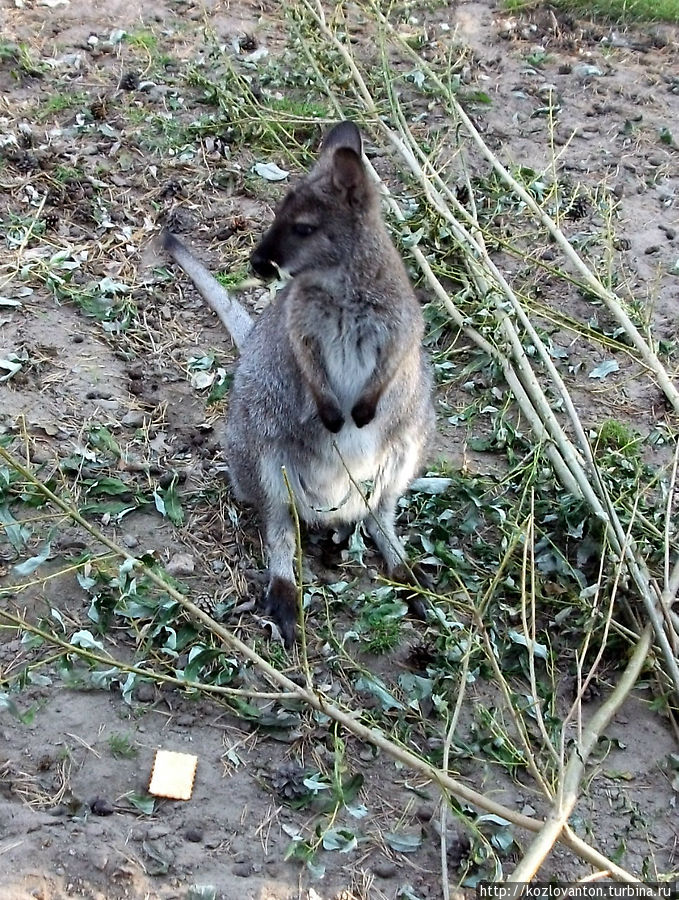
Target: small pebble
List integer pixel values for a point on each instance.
(144, 692)
(585, 71)
(100, 860)
(101, 807)
(109, 405)
(130, 540)
(134, 418)
(242, 870)
(98, 394)
(181, 564)
(385, 868)
(195, 835)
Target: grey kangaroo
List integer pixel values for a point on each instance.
(332, 382)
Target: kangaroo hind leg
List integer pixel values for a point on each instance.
(381, 526)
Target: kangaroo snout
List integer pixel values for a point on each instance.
(261, 264)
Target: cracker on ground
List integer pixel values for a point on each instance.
(173, 775)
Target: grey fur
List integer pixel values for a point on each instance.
(332, 383)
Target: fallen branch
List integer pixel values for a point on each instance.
(317, 700)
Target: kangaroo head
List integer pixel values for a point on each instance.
(321, 219)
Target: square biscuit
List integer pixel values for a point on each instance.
(173, 775)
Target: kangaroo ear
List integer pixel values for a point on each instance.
(346, 134)
(348, 176)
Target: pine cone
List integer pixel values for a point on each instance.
(578, 209)
(172, 188)
(288, 781)
(26, 162)
(98, 109)
(129, 81)
(247, 43)
(206, 603)
(179, 220)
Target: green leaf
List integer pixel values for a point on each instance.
(538, 649)
(374, 686)
(168, 505)
(406, 892)
(10, 366)
(103, 678)
(478, 97)
(351, 785)
(86, 640)
(159, 864)
(16, 535)
(30, 565)
(202, 892)
(220, 387)
(314, 783)
(298, 849)
(127, 687)
(26, 718)
(110, 486)
(143, 802)
(9, 705)
(340, 839)
(604, 369)
(160, 503)
(404, 841)
(415, 686)
(270, 171)
(316, 869)
(101, 438)
(31, 641)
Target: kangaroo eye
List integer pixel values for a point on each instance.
(303, 229)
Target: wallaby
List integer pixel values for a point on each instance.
(332, 382)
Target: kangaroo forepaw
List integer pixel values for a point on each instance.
(280, 603)
(331, 416)
(364, 411)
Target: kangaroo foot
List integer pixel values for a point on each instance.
(280, 603)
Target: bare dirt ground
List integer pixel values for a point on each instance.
(92, 153)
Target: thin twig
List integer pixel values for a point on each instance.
(553, 828)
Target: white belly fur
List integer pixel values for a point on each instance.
(353, 467)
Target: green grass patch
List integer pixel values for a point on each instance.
(625, 11)
(59, 102)
(145, 40)
(63, 174)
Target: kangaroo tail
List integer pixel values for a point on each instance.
(232, 315)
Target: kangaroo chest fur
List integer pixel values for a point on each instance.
(350, 350)
(347, 471)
